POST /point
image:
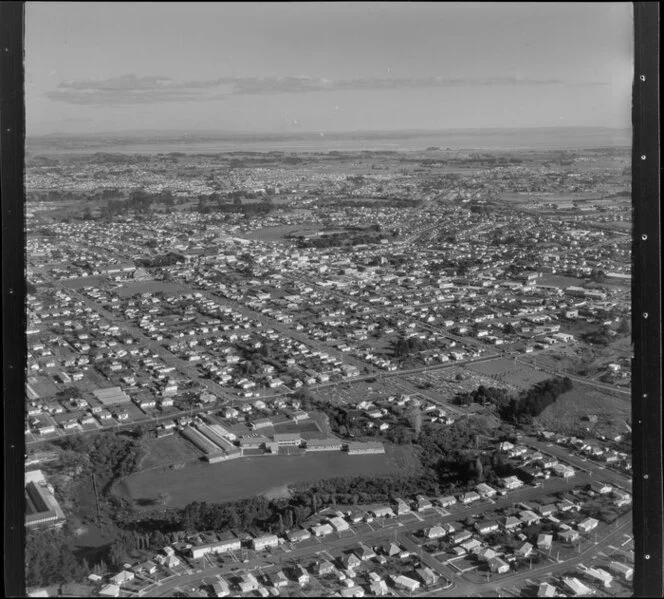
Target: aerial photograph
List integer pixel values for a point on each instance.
(328, 299)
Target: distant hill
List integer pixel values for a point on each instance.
(195, 141)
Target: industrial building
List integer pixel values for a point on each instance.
(41, 507)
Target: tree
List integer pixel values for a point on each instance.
(415, 419)
(479, 468)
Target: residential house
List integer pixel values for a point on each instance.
(524, 551)
(382, 512)
(300, 575)
(546, 590)
(446, 501)
(596, 575)
(485, 490)
(260, 543)
(435, 532)
(568, 536)
(528, 517)
(296, 536)
(511, 482)
(486, 553)
(339, 524)
(220, 588)
(588, 524)
(423, 503)
(461, 536)
(353, 591)
(109, 590)
(378, 588)
(323, 567)
(248, 583)
(470, 497)
(498, 565)
(427, 575)
(364, 552)
(486, 527)
(321, 530)
(349, 561)
(544, 541)
(601, 488)
(511, 523)
(405, 583)
(623, 570)
(576, 588)
(401, 507)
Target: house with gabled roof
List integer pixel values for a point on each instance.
(546, 590)
(528, 517)
(323, 567)
(544, 541)
(469, 497)
(486, 553)
(401, 506)
(349, 561)
(364, 552)
(435, 532)
(524, 551)
(576, 588)
(587, 525)
(498, 565)
(486, 527)
(405, 583)
(378, 588)
(511, 522)
(569, 535)
(446, 501)
(427, 575)
(423, 503)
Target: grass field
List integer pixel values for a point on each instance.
(280, 232)
(129, 289)
(166, 451)
(80, 282)
(248, 477)
(566, 414)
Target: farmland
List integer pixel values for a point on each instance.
(251, 476)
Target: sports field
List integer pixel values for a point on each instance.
(251, 476)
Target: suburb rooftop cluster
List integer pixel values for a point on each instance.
(328, 373)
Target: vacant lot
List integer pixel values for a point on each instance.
(248, 477)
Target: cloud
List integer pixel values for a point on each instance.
(134, 89)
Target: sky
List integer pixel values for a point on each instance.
(344, 66)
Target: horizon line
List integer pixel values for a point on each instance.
(318, 132)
